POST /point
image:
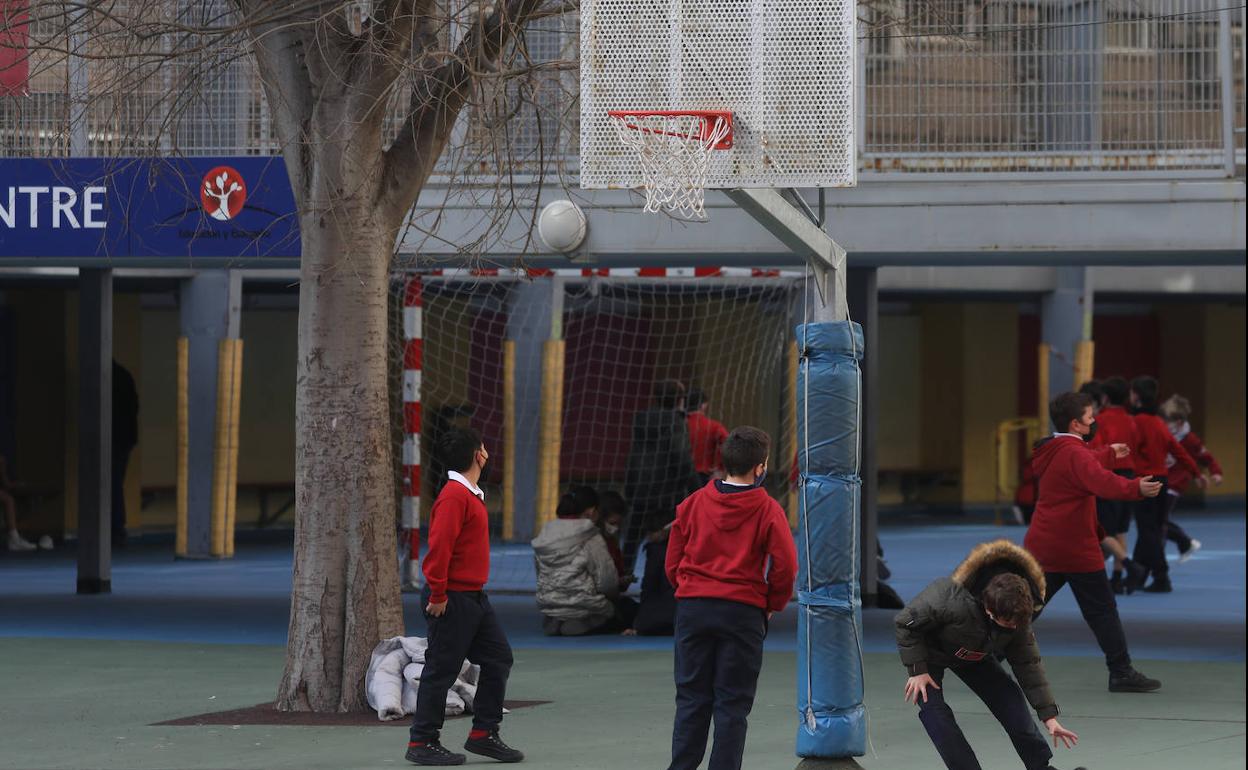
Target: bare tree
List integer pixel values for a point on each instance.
(339, 78)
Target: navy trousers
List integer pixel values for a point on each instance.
(1003, 697)
(469, 630)
(719, 653)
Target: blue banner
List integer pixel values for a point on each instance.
(164, 208)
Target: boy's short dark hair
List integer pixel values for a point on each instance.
(745, 448)
(1008, 597)
(611, 503)
(1094, 389)
(1116, 390)
(669, 394)
(457, 447)
(578, 499)
(697, 397)
(1067, 407)
(1145, 389)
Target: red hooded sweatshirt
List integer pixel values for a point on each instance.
(1064, 535)
(720, 545)
(1155, 443)
(1116, 426)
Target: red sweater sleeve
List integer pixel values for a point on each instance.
(1200, 453)
(1098, 481)
(1104, 454)
(780, 547)
(675, 547)
(1181, 455)
(446, 522)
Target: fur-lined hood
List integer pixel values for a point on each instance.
(994, 557)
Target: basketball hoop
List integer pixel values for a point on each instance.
(674, 147)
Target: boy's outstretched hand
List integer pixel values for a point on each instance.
(1120, 450)
(1067, 737)
(917, 685)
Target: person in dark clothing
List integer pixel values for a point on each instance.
(964, 624)
(732, 560)
(1065, 536)
(125, 439)
(461, 623)
(1150, 515)
(656, 612)
(659, 473)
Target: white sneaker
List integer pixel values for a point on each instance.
(46, 544)
(19, 543)
(1188, 553)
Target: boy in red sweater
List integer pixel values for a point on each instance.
(718, 555)
(461, 623)
(706, 436)
(1065, 536)
(1116, 426)
(1176, 411)
(1150, 515)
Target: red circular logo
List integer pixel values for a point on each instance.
(223, 193)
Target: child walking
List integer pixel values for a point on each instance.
(732, 560)
(462, 624)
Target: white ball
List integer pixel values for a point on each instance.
(561, 226)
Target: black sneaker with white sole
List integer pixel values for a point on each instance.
(432, 754)
(1132, 681)
(493, 747)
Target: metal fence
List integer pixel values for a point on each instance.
(946, 86)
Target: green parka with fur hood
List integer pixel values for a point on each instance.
(945, 626)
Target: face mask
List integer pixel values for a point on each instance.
(1091, 432)
(759, 479)
(612, 529)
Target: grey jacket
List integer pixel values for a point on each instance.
(945, 625)
(576, 578)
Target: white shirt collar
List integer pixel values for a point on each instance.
(735, 484)
(1072, 435)
(457, 476)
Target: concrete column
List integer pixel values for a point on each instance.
(210, 308)
(95, 430)
(863, 299)
(1065, 320)
(531, 319)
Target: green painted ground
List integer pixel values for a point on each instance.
(86, 705)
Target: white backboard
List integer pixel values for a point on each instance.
(784, 68)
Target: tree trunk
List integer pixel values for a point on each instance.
(345, 596)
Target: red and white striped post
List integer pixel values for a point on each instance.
(413, 353)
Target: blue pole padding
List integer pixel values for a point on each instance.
(831, 716)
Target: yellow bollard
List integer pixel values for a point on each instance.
(231, 490)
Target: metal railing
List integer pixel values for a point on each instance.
(974, 87)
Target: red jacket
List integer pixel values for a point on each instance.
(720, 544)
(706, 437)
(459, 543)
(1064, 535)
(1155, 443)
(1116, 426)
(1179, 476)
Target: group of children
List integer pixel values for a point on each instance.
(729, 555)
(1154, 439)
(731, 558)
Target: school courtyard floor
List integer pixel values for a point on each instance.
(85, 680)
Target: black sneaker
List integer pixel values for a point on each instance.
(1115, 584)
(1136, 575)
(493, 747)
(1132, 681)
(432, 753)
(1158, 586)
(1051, 767)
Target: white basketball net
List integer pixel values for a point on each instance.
(675, 153)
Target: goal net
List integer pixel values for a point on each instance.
(552, 368)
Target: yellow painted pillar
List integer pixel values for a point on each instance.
(1084, 359)
(225, 459)
(1044, 353)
